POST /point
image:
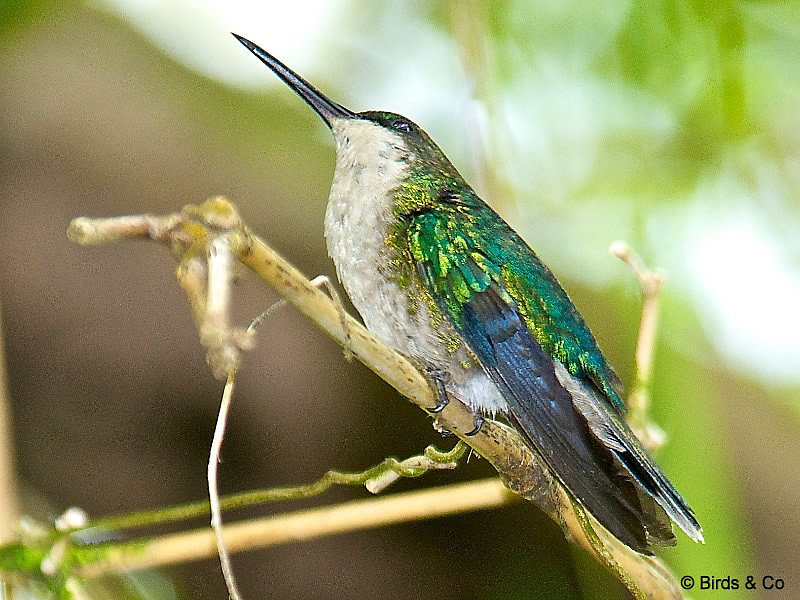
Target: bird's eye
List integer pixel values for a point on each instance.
(401, 125)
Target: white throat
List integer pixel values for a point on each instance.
(369, 165)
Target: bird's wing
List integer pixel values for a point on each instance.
(466, 274)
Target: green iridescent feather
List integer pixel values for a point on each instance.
(467, 247)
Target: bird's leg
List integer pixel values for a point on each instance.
(443, 401)
(478, 423)
(441, 392)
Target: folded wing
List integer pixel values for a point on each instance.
(567, 418)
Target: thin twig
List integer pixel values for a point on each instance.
(415, 466)
(216, 318)
(638, 400)
(213, 491)
(297, 526)
(223, 356)
(54, 553)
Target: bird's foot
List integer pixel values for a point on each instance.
(441, 392)
(478, 424)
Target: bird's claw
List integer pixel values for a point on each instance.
(441, 392)
(478, 424)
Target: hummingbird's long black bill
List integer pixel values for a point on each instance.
(323, 106)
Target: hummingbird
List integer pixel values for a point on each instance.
(438, 275)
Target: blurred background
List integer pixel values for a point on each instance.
(670, 124)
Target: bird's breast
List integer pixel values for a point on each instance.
(357, 222)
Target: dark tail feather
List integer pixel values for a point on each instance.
(634, 462)
(618, 512)
(543, 411)
(651, 479)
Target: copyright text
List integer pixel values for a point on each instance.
(750, 582)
